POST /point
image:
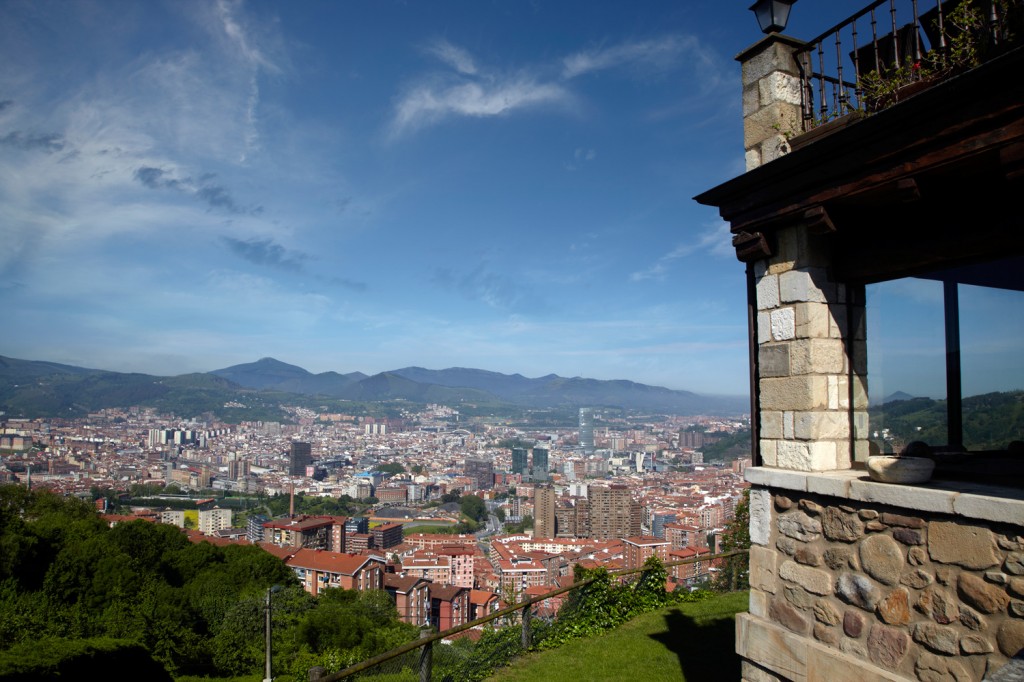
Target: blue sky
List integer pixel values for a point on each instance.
(370, 185)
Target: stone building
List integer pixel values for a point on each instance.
(853, 578)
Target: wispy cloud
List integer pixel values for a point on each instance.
(205, 189)
(347, 283)
(229, 14)
(254, 58)
(266, 252)
(714, 240)
(156, 178)
(493, 289)
(580, 157)
(660, 53)
(455, 57)
(429, 104)
(50, 143)
(217, 197)
(474, 90)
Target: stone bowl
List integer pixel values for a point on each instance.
(893, 469)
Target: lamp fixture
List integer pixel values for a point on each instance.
(772, 15)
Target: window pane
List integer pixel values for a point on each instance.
(906, 363)
(992, 366)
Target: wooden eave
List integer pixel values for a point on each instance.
(933, 181)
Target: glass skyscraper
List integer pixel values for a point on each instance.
(520, 462)
(540, 464)
(587, 430)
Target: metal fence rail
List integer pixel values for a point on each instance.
(406, 663)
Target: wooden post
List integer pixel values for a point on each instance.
(526, 627)
(426, 657)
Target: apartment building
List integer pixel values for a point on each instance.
(318, 570)
(613, 512)
(212, 520)
(639, 549)
(411, 595)
(544, 524)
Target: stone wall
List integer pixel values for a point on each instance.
(812, 359)
(771, 99)
(934, 597)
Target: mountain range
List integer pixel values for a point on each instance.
(37, 388)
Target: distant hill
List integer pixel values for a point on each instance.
(31, 388)
(280, 376)
(476, 385)
(990, 420)
(264, 373)
(892, 398)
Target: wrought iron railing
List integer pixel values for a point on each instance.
(863, 62)
(415, 660)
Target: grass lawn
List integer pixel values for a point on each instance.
(693, 642)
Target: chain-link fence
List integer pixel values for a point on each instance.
(473, 650)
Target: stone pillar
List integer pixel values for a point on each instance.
(771, 98)
(812, 358)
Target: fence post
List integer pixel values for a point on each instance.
(315, 673)
(426, 657)
(526, 627)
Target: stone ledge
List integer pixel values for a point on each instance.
(961, 498)
(800, 659)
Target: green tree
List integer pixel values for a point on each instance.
(735, 571)
(520, 527)
(473, 507)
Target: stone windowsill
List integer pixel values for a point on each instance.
(960, 498)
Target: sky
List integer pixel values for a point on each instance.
(365, 186)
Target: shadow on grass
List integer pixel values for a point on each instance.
(706, 650)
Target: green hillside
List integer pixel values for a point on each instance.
(990, 421)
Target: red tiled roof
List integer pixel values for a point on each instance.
(402, 583)
(197, 537)
(645, 540)
(333, 562)
(445, 592)
(481, 597)
(280, 552)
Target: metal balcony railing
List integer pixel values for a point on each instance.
(875, 57)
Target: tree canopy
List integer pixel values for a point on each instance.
(473, 507)
(68, 579)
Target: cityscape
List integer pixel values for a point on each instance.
(754, 405)
(607, 492)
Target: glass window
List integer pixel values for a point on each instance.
(946, 359)
(992, 366)
(906, 364)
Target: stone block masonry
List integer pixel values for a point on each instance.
(771, 100)
(882, 589)
(812, 365)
